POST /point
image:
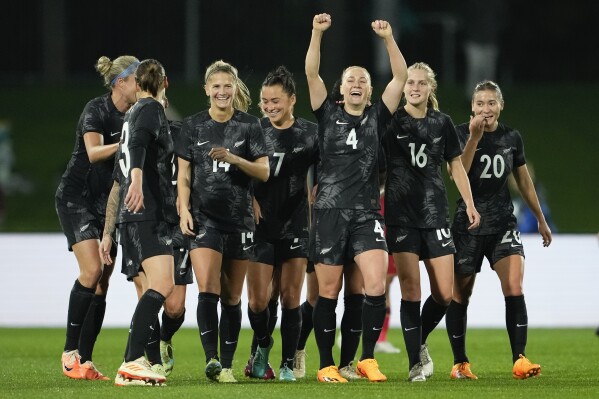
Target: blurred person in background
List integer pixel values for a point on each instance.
(492, 151)
(484, 23)
(382, 344)
(527, 221)
(221, 150)
(80, 204)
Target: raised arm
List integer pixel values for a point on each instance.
(316, 87)
(392, 94)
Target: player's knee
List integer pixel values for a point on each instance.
(290, 299)
(174, 310)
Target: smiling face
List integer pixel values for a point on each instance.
(277, 105)
(417, 88)
(355, 87)
(488, 104)
(221, 90)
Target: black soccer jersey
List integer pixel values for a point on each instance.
(147, 128)
(283, 198)
(497, 155)
(416, 150)
(220, 192)
(86, 183)
(349, 154)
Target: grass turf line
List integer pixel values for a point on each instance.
(30, 368)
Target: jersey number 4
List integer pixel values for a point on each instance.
(352, 139)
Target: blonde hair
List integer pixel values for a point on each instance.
(109, 70)
(432, 81)
(242, 99)
(359, 67)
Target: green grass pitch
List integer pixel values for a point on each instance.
(30, 368)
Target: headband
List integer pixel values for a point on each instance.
(126, 72)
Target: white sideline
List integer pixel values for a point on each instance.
(561, 285)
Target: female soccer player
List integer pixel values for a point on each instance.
(348, 225)
(492, 151)
(159, 350)
(80, 204)
(147, 213)
(419, 141)
(222, 150)
(281, 211)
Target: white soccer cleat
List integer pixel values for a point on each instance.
(140, 369)
(427, 362)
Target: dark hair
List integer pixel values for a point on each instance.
(150, 76)
(281, 76)
(336, 91)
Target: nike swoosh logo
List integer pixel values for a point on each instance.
(446, 243)
(294, 246)
(75, 325)
(67, 368)
(203, 142)
(478, 149)
(380, 239)
(354, 331)
(230, 342)
(521, 325)
(325, 330)
(458, 336)
(205, 332)
(153, 342)
(246, 248)
(151, 328)
(342, 123)
(377, 328)
(517, 245)
(401, 137)
(410, 329)
(115, 133)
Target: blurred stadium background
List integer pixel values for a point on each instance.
(49, 48)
